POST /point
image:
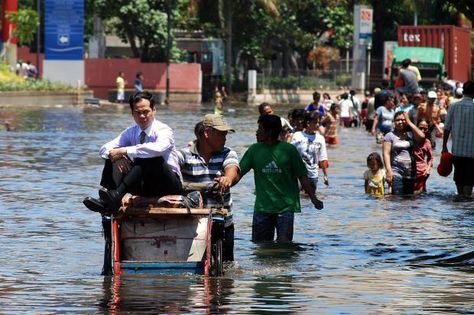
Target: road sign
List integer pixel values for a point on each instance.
(64, 30)
(365, 26)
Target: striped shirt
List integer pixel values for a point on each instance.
(195, 169)
(460, 121)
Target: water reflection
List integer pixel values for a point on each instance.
(358, 255)
(166, 294)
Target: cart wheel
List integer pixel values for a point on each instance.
(217, 264)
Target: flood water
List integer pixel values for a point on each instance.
(358, 255)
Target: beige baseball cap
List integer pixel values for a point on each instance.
(217, 122)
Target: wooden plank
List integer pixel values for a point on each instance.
(159, 211)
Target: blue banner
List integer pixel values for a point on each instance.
(64, 30)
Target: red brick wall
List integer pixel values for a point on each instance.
(100, 74)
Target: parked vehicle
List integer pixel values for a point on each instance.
(454, 41)
(430, 62)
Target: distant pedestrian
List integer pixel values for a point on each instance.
(312, 148)
(383, 118)
(409, 78)
(375, 176)
(120, 82)
(347, 110)
(219, 96)
(327, 102)
(139, 82)
(423, 154)
(315, 105)
(331, 121)
(31, 72)
(398, 146)
(459, 125)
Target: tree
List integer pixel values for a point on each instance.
(141, 23)
(465, 7)
(26, 21)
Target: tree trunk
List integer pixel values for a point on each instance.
(133, 46)
(228, 8)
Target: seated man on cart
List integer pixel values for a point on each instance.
(208, 160)
(142, 160)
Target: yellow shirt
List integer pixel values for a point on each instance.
(375, 182)
(120, 84)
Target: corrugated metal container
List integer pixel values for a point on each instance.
(456, 42)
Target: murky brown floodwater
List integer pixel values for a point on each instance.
(358, 255)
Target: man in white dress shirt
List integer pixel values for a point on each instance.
(142, 160)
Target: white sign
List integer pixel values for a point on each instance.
(411, 38)
(388, 48)
(365, 26)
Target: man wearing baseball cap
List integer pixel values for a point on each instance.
(208, 160)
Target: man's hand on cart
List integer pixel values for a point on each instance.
(223, 183)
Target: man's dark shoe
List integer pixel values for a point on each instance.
(112, 198)
(96, 205)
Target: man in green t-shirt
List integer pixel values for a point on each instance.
(277, 168)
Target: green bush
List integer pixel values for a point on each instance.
(9, 81)
(344, 79)
(293, 82)
(34, 85)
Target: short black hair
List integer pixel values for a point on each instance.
(310, 116)
(297, 113)
(316, 96)
(271, 123)
(262, 106)
(199, 129)
(468, 88)
(137, 97)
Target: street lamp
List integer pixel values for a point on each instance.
(369, 48)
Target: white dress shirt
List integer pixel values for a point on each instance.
(159, 141)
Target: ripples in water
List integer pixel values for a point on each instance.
(358, 255)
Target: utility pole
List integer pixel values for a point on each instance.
(38, 39)
(168, 50)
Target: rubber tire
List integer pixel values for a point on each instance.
(217, 259)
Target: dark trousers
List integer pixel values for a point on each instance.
(147, 177)
(228, 246)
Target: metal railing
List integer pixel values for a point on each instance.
(338, 75)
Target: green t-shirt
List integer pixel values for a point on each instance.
(276, 172)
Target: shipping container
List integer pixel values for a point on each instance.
(455, 41)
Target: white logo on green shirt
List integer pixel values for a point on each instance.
(271, 167)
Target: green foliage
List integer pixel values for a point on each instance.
(344, 79)
(141, 23)
(9, 81)
(27, 22)
(294, 82)
(34, 85)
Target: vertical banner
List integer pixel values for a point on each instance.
(64, 30)
(388, 47)
(365, 26)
